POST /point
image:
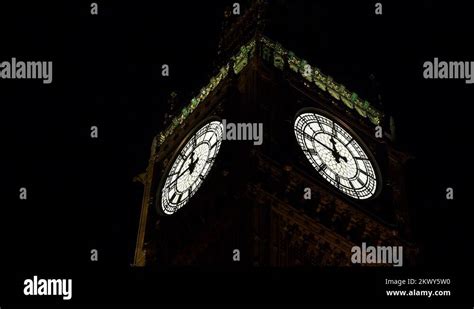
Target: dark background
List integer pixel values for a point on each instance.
(107, 72)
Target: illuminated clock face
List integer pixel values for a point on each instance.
(191, 166)
(337, 155)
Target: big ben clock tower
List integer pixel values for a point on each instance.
(327, 176)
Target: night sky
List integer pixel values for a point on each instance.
(107, 72)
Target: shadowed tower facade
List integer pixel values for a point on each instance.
(326, 177)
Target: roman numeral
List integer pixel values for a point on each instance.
(361, 159)
(172, 174)
(354, 189)
(210, 160)
(311, 151)
(320, 125)
(365, 173)
(305, 134)
(172, 197)
(322, 167)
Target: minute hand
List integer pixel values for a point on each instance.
(327, 147)
(183, 171)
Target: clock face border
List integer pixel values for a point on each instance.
(172, 160)
(360, 141)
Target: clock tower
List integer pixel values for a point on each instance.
(327, 176)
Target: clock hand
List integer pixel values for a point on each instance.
(193, 163)
(182, 172)
(190, 167)
(327, 147)
(335, 153)
(338, 157)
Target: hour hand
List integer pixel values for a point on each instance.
(193, 163)
(189, 168)
(336, 153)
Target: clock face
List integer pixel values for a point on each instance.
(191, 166)
(337, 155)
